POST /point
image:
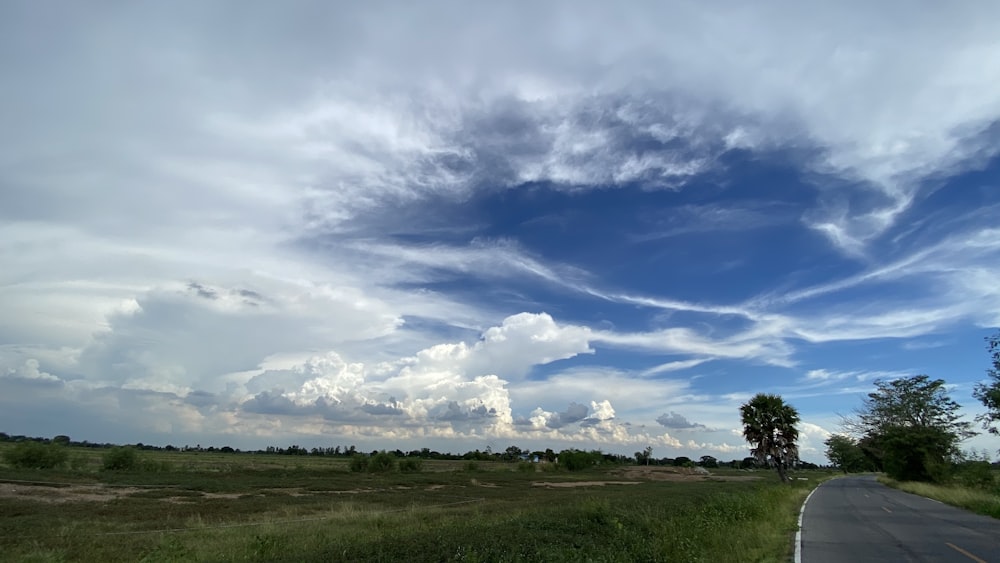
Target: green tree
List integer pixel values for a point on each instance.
(911, 427)
(769, 426)
(643, 457)
(577, 460)
(989, 393)
(512, 453)
(845, 452)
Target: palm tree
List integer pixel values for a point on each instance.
(769, 425)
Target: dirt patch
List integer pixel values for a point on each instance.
(661, 473)
(70, 493)
(570, 484)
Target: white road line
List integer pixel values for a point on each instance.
(798, 534)
(965, 553)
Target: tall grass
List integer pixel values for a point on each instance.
(978, 500)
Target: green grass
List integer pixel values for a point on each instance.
(239, 508)
(980, 501)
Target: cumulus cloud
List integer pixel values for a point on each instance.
(677, 421)
(206, 230)
(541, 419)
(31, 371)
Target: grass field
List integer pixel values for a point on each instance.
(196, 506)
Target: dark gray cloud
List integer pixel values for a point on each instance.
(274, 402)
(202, 291)
(677, 421)
(382, 408)
(454, 412)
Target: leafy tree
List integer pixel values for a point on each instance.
(512, 453)
(846, 454)
(708, 461)
(911, 427)
(643, 457)
(989, 393)
(576, 460)
(769, 425)
(683, 461)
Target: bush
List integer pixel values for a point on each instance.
(120, 458)
(382, 462)
(526, 467)
(471, 466)
(976, 475)
(411, 465)
(358, 464)
(34, 455)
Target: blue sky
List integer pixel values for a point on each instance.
(461, 226)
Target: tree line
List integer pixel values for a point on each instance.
(909, 428)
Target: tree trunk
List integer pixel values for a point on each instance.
(782, 473)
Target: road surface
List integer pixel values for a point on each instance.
(856, 519)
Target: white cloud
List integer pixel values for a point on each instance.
(177, 215)
(30, 371)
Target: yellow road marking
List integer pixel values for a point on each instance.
(965, 553)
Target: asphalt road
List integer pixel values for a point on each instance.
(856, 519)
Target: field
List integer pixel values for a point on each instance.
(196, 506)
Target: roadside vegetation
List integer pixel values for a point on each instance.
(174, 506)
(910, 429)
(975, 499)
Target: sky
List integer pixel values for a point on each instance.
(462, 225)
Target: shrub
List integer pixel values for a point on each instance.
(471, 466)
(34, 455)
(382, 462)
(411, 465)
(526, 467)
(120, 458)
(977, 475)
(358, 464)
